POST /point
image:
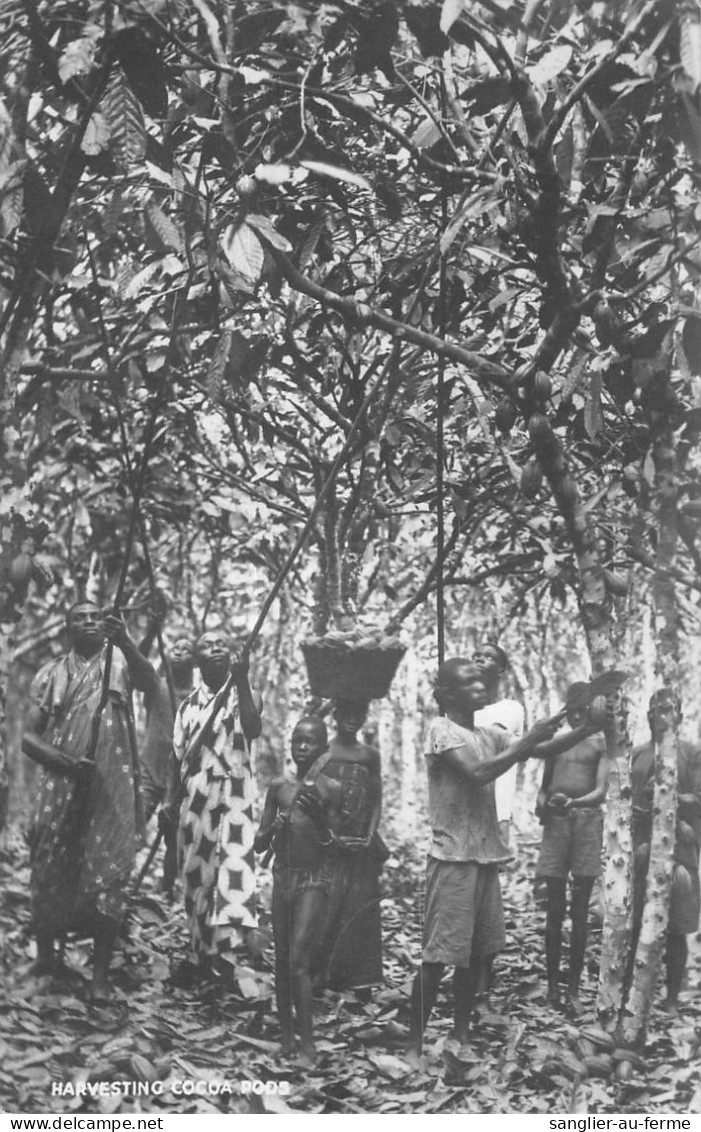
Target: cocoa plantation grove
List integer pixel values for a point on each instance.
(350, 575)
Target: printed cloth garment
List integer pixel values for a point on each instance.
(84, 836)
(216, 828)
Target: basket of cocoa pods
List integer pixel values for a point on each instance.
(352, 665)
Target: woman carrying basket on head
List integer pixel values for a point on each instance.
(352, 949)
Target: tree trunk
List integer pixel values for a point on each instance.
(648, 959)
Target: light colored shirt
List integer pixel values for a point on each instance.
(510, 716)
(462, 814)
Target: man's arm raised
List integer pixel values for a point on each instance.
(480, 772)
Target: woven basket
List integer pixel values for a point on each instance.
(336, 672)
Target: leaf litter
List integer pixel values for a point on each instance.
(155, 1032)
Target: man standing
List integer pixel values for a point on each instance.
(215, 828)
(664, 714)
(464, 920)
(505, 713)
(87, 820)
(569, 806)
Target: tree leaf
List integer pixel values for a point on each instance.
(690, 125)
(97, 135)
(252, 30)
(424, 23)
(77, 57)
(244, 251)
(217, 366)
(125, 116)
(426, 134)
(11, 196)
(690, 47)
(593, 416)
(485, 95)
(337, 174)
(550, 65)
(450, 12)
(273, 174)
(265, 228)
(131, 286)
(167, 233)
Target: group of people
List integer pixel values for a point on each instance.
(97, 789)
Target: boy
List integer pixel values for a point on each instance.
(569, 806)
(297, 821)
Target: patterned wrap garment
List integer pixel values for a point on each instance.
(216, 828)
(83, 838)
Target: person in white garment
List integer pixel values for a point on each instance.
(507, 714)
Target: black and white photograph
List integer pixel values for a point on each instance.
(350, 559)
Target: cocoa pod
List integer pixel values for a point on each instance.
(597, 711)
(246, 185)
(616, 582)
(605, 323)
(542, 386)
(566, 1065)
(584, 1048)
(599, 1065)
(598, 1037)
(568, 493)
(505, 415)
(142, 1069)
(641, 858)
(681, 882)
(573, 1067)
(531, 478)
(628, 1055)
(538, 426)
(624, 1069)
(20, 570)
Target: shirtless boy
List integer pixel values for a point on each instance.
(297, 821)
(569, 805)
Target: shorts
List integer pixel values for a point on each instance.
(571, 844)
(464, 914)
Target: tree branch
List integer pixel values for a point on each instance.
(482, 368)
(558, 118)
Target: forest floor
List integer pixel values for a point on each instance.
(52, 1041)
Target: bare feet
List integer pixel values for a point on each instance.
(573, 1003)
(308, 1056)
(413, 1056)
(552, 998)
(100, 990)
(288, 1047)
(670, 1006)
